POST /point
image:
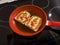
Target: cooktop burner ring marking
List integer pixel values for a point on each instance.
(56, 16)
(42, 7)
(47, 4)
(49, 14)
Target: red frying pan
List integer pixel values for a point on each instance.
(35, 9)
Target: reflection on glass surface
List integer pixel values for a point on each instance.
(54, 13)
(50, 15)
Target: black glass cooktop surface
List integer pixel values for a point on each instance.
(49, 36)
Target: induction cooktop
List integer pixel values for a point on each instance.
(49, 36)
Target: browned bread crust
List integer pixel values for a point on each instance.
(32, 22)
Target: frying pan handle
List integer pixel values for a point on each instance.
(53, 23)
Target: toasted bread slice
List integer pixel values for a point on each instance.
(22, 16)
(34, 23)
(25, 18)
